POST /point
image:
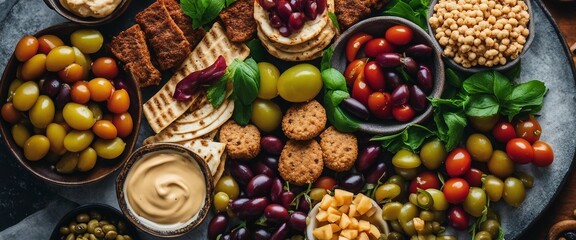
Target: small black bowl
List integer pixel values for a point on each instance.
(56, 5)
(107, 212)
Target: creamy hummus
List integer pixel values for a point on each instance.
(91, 8)
(165, 188)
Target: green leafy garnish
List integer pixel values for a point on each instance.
(326, 59)
(412, 137)
(203, 11)
(334, 20)
(414, 10)
(335, 92)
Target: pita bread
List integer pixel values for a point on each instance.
(221, 167)
(200, 111)
(327, 34)
(210, 151)
(161, 110)
(177, 128)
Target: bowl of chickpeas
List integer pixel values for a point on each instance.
(69, 114)
(479, 35)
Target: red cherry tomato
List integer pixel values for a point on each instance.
(458, 162)
(403, 113)
(458, 218)
(399, 35)
(474, 177)
(325, 182)
(360, 90)
(520, 151)
(543, 154)
(455, 190)
(377, 46)
(529, 129)
(374, 76)
(355, 43)
(380, 105)
(425, 180)
(354, 70)
(503, 132)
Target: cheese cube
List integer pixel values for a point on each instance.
(323, 233)
(353, 223)
(332, 210)
(363, 236)
(363, 226)
(344, 221)
(326, 202)
(335, 228)
(349, 233)
(358, 198)
(371, 212)
(333, 217)
(343, 197)
(364, 205)
(352, 211)
(344, 208)
(342, 238)
(374, 232)
(322, 216)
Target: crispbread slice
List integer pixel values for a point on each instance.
(313, 53)
(209, 151)
(184, 22)
(327, 34)
(162, 109)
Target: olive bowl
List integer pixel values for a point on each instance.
(107, 212)
(44, 170)
(377, 26)
(145, 225)
(501, 68)
(57, 6)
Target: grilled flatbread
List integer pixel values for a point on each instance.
(180, 128)
(162, 109)
(209, 151)
(220, 169)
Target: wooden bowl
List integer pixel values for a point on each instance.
(377, 26)
(501, 68)
(107, 212)
(88, 21)
(44, 170)
(140, 222)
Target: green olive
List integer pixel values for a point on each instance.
(433, 154)
(408, 212)
(82, 218)
(20, 133)
(25, 96)
(82, 60)
(483, 235)
(406, 159)
(514, 192)
(87, 40)
(92, 225)
(95, 215)
(300, 83)
(87, 160)
(316, 194)
(266, 115)
(42, 113)
(12, 89)
(59, 57)
(446, 237)
(70, 236)
(494, 187)
(228, 185)
(491, 226)
(96, 111)
(76, 141)
(395, 236)
(427, 216)
(64, 230)
(80, 228)
(78, 116)
(391, 210)
(407, 173)
(500, 164)
(269, 75)
(111, 235)
(221, 201)
(36, 147)
(395, 225)
(526, 179)
(440, 203)
(387, 191)
(108, 227)
(475, 202)
(109, 149)
(34, 68)
(56, 133)
(479, 147)
(67, 163)
(98, 232)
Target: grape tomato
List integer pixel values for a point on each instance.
(399, 35)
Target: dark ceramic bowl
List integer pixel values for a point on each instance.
(135, 219)
(501, 68)
(44, 170)
(88, 21)
(108, 213)
(376, 26)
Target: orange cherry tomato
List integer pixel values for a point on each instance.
(105, 129)
(105, 67)
(72, 73)
(100, 89)
(80, 92)
(49, 42)
(355, 43)
(123, 123)
(26, 48)
(380, 105)
(119, 102)
(543, 154)
(360, 90)
(354, 70)
(10, 114)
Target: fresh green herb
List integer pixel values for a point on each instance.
(500, 234)
(326, 58)
(257, 51)
(242, 113)
(514, 72)
(412, 137)
(203, 11)
(216, 93)
(334, 80)
(414, 10)
(334, 20)
(229, 2)
(335, 92)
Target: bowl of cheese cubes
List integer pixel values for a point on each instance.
(346, 216)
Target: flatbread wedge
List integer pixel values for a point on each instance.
(209, 151)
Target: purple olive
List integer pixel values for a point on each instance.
(284, 31)
(389, 60)
(311, 10)
(284, 9)
(303, 205)
(409, 65)
(368, 156)
(418, 98)
(356, 108)
(280, 233)
(217, 225)
(272, 145)
(276, 213)
(240, 171)
(63, 96)
(419, 51)
(287, 198)
(51, 87)
(321, 6)
(253, 208)
(424, 78)
(353, 182)
(378, 172)
(297, 5)
(120, 83)
(393, 80)
(276, 191)
(296, 21)
(270, 161)
(297, 221)
(261, 234)
(261, 168)
(237, 204)
(400, 95)
(259, 186)
(225, 237)
(240, 234)
(267, 4)
(275, 20)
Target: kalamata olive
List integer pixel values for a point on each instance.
(275, 20)
(241, 172)
(50, 87)
(240, 234)
(284, 31)
(270, 161)
(389, 60)
(236, 205)
(356, 108)
(368, 156)
(424, 78)
(393, 80)
(217, 225)
(400, 95)
(283, 9)
(409, 65)
(272, 145)
(280, 233)
(296, 21)
(267, 4)
(297, 5)
(321, 6)
(419, 51)
(261, 234)
(120, 83)
(311, 10)
(276, 213)
(378, 172)
(297, 221)
(417, 98)
(259, 186)
(353, 182)
(253, 208)
(226, 237)
(261, 168)
(286, 199)
(276, 190)
(63, 96)
(303, 205)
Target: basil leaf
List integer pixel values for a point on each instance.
(341, 121)
(412, 137)
(455, 123)
(482, 106)
(502, 87)
(337, 96)
(334, 20)
(334, 80)
(528, 93)
(326, 62)
(242, 113)
(246, 81)
(229, 2)
(479, 83)
(216, 93)
(257, 51)
(453, 78)
(202, 11)
(403, 9)
(450, 103)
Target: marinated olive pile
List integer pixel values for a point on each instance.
(65, 108)
(391, 79)
(94, 226)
